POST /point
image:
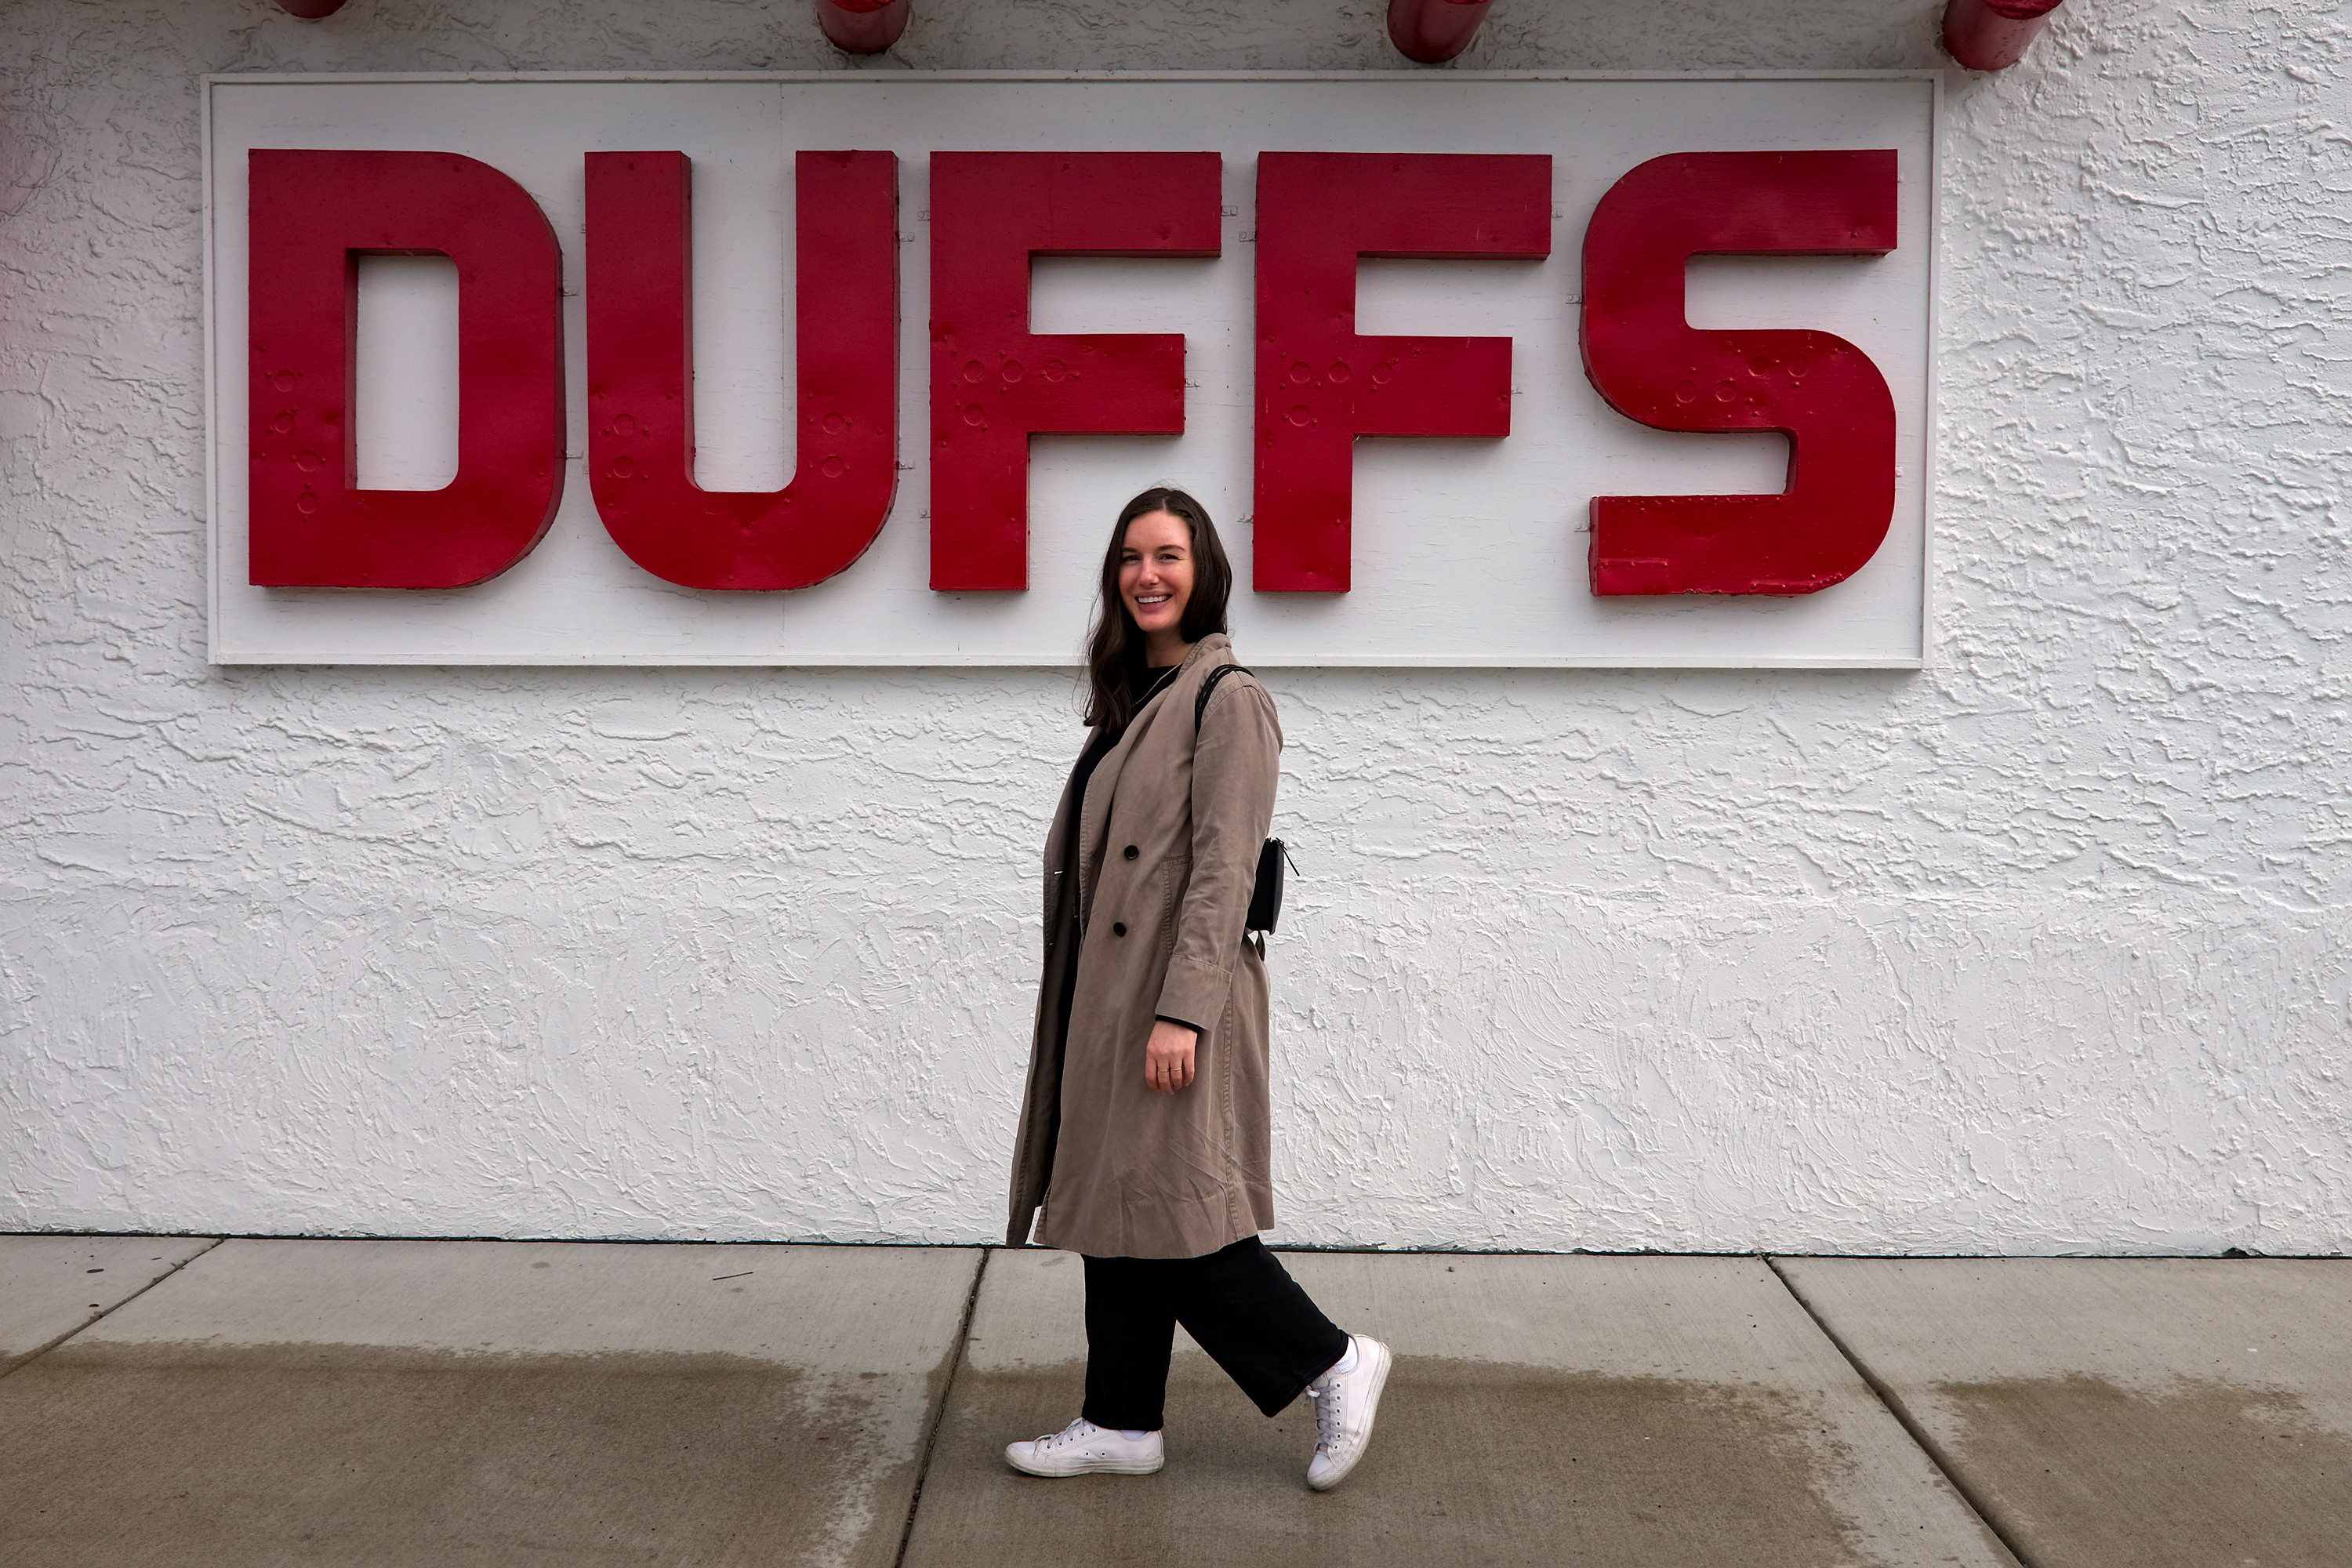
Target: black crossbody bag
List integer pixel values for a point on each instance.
(1265, 894)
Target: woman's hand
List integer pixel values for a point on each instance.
(1168, 1058)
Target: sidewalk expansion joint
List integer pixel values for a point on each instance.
(1986, 1514)
(101, 1316)
(940, 1410)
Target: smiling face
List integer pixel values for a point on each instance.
(1155, 580)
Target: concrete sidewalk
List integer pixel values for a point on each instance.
(176, 1401)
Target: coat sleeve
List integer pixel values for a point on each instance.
(1236, 762)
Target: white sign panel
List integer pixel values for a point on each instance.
(1466, 550)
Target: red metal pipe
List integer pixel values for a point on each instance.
(1435, 31)
(863, 27)
(1991, 34)
(310, 10)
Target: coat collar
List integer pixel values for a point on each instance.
(1175, 698)
(1211, 651)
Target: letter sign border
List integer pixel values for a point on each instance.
(326, 626)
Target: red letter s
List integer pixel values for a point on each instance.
(1652, 366)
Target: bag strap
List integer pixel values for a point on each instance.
(1200, 700)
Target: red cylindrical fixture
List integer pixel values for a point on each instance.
(863, 27)
(1991, 34)
(1435, 31)
(310, 10)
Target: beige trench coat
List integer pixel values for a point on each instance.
(1169, 833)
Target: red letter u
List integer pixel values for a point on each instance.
(641, 375)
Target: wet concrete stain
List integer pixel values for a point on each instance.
(1475, 1464)
(271, 1457)
(2085, 1473)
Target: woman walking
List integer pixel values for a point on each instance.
(1145, 1135)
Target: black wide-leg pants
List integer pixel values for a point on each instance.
(1240, 1305)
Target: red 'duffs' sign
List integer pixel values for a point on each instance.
(1316, 381)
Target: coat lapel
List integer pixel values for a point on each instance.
(1094, 818)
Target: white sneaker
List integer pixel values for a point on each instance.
(1084, 1449)
(1345, 1403)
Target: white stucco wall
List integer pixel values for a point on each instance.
(2040, 949)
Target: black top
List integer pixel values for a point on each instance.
(1142, 681)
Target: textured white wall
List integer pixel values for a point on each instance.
(2043, 948)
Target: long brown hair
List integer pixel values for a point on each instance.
(1114, 646)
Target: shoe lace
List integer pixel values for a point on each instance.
(1076, 1432)
(1326, 1413)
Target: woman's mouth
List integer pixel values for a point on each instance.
(1143, 601)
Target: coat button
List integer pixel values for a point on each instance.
(1119, 928)
(1130, 851)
